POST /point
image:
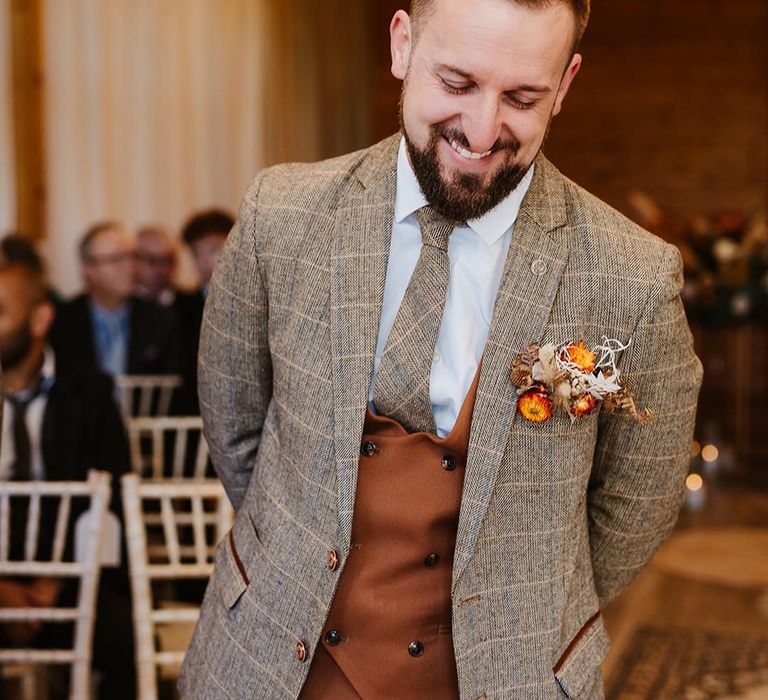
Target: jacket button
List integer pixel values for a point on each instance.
(431, 559)
(448, 463)
(369, 448)
(333, 560)
(301, 651)
(415, 648)
(332, 637)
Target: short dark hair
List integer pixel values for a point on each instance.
(18, 253)
(91, 234)
(17, 250)
(207, 223)
(420, 10)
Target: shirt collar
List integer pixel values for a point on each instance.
(489, 227)
(48, 370)
(106, 316)
(47, 379)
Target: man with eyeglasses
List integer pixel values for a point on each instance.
(107, 327)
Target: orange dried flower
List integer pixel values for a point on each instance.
(582, 356)
(535, 405)
(583, 404)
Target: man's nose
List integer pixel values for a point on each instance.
(481, 123)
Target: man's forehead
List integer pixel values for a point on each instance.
(14, 285)
(476, 37)
(111, 239)
(155, 243)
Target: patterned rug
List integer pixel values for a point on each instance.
(686, 664)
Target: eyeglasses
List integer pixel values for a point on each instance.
(111, 258)
(154, 260)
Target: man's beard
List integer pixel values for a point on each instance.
(16, 346)
(462, 197)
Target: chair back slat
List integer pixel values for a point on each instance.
(158, 449)
(62, 518)
(33, 526)
(198, 527)
(179, 451)
(201, 459)
(164, 400)
(145, 400)
(137, 456)
(169, 530)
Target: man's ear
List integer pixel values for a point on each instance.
(41, 318)
(565, 82)
(401, 43)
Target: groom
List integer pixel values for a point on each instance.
(408, 524)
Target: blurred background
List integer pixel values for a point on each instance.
(147, 111)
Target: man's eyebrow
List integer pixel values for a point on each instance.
(458, 71)
(538, 89)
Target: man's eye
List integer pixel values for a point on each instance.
(520, 104)
(454, 89)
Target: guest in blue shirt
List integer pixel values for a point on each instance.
(108, 328)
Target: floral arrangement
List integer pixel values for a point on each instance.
(572, 377)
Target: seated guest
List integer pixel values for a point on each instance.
(56, 427)
(205, 234)
(107, 328)
(16, 246)
(155, 266)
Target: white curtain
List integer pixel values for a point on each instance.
(154, 108)
(7, 172)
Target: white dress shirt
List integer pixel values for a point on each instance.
(34, 421)
(477, 253)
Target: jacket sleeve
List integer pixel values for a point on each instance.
(234, 365)
(637, 482)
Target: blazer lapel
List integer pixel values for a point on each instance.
(534, 265)
(359, 266)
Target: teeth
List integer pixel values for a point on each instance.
(464, 153)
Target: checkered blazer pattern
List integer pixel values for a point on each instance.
(555, 519)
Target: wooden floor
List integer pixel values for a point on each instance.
(707, 587)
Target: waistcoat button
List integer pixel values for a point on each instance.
(301, 651)
(333, 560)
(415, 648)
(431, 559)
(368, 449)
(448, 463)
(332, 637)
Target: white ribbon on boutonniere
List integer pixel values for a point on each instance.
(573, 377)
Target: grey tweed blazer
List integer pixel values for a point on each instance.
(555, 519)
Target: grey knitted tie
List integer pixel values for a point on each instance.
(401, 388)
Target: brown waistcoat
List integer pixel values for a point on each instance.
(388, 633)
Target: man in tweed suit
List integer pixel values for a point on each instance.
(555, 517)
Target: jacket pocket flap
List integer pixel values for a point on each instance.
(233, 578)
(583, 657)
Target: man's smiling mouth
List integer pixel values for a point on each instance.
(469, 155)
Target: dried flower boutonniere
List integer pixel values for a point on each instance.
(573, 377)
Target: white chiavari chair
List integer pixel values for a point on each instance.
(194, 517)
(146, 394)
(168, 447)
(58, 558)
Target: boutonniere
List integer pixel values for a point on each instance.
(573, 377)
